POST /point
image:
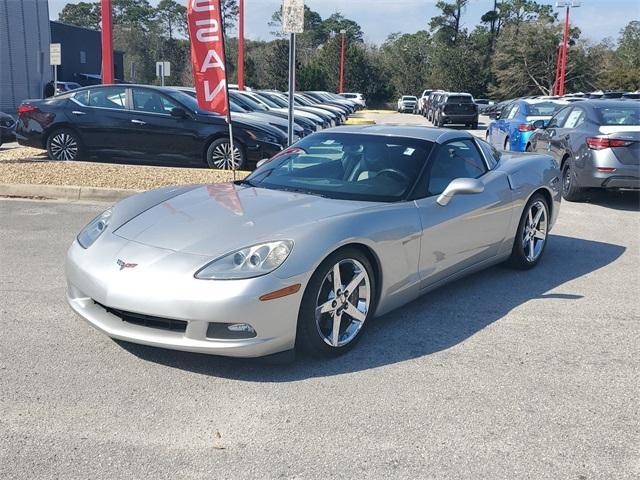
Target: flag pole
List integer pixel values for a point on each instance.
(226, 92)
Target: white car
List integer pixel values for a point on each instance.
(357, 98)
(407, 103)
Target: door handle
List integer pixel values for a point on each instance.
(138, 122)
(77, 112)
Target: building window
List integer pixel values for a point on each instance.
(83, 56)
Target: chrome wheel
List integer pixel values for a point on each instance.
(343, 302)
(221, 157)
(535, 231)
(63, 146)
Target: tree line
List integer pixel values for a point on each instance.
(512, 51)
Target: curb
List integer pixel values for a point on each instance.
(66, 192)
(360, 121)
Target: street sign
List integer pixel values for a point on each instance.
(293, 16)
(55, 54)
(163, 69)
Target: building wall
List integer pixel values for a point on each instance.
(24, 51)
(81, 53)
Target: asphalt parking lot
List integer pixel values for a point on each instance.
(502, 375)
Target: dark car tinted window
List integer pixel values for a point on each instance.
(347, 166)
(457, 159)
(82, 97)
(619, 115)
(110, 97)
(460, 99)
(150, 101)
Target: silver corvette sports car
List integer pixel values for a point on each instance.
(345, 225)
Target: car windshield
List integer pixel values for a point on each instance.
(409, 98)
(544, 109)
(619, 115)
(275, 98)
(247, 102)
(346, 166)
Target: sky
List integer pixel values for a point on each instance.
(597, 19)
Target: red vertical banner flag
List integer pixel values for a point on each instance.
(207, 55)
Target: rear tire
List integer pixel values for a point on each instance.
(219, 155)
(318, 332)
(507, 145)
(532, 234)
(64, 144)
(571, 192)
(474, 126)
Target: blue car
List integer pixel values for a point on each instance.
(513, 127)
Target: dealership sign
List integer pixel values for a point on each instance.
(207, 55)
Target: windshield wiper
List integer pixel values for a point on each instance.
(245, 182)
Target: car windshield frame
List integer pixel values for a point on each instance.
(318, 185)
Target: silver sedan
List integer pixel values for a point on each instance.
(346, 225)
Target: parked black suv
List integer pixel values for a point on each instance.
(456, 108)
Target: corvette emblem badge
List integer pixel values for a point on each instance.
(122, 264)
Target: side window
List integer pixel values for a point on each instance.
(152, 102)
(557, 121)
(109, 97)
(575, 118)
(457, 159)
(505, 111)
(513, 112)
(82, 97)
(490, 153)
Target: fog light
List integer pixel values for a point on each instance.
(241, 327)
(230, 331)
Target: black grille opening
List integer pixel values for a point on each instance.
(147, 320)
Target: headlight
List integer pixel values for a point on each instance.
(94, 229)
(249, 262)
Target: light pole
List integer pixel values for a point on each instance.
(568, 4)
(241, 44)
(107, 42)
(344, 39)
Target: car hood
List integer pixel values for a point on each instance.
(212, 220)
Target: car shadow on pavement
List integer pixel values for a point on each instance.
(627, 200)
(437, 321)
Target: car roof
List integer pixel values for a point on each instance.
(430, 134)
(606, 103)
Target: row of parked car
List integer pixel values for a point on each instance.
(443, 108)
(165, 124)
(596, 141)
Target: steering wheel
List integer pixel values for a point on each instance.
(393, 172)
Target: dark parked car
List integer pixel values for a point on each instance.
(7, 128)
(432, 103)
(596, 144)
(139, 122)
(457, 108)
(483, 104)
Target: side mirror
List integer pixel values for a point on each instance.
(460, 186)
(539, 124)
(262, 162)
(178, 112)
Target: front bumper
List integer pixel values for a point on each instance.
(162, 286)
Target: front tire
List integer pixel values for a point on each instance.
(64, 144)
(219, 155)
(531, 236)
(337, 304)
